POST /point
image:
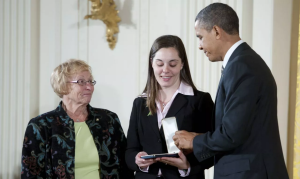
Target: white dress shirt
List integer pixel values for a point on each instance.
(230, 51)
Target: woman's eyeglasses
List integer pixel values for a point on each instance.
(83, 82)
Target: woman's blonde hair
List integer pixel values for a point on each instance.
(63, 72)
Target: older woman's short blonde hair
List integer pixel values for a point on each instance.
(63, 72)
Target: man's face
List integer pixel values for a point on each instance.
(209, 43)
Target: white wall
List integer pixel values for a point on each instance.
(18, 77)
(42, 34)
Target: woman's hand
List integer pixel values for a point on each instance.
(180, 163)
(143, 163)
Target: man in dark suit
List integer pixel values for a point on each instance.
(245, 142)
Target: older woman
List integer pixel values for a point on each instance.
(75, 139)
(169, 92)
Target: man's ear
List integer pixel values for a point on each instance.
(217, 31)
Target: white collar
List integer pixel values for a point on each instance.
(184, 89)
(230, 51)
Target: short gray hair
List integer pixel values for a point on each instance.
(61, 74)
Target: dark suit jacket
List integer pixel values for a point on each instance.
(193, 113)
(245, 142)
(49, 145)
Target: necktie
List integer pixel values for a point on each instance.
(222, 71)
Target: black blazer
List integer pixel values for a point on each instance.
(193, 113)
(245, 141)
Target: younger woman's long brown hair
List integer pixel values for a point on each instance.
(152, 87)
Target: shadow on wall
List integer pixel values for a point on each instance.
(17, 173)
(125, 13)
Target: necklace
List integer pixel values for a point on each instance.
(163, 103)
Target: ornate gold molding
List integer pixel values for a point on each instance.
(105, 10)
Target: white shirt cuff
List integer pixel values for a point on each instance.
(183, 174)
(145, 169)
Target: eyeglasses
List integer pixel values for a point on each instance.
(83, 82)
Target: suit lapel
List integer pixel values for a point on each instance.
(243, 46)
(214, 111)
(151, 121)
(218, 88)
(237, 51)
(178, 103)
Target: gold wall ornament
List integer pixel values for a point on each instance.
(105, 10)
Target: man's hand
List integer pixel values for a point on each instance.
(184, 140)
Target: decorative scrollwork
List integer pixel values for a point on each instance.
(105, 10)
